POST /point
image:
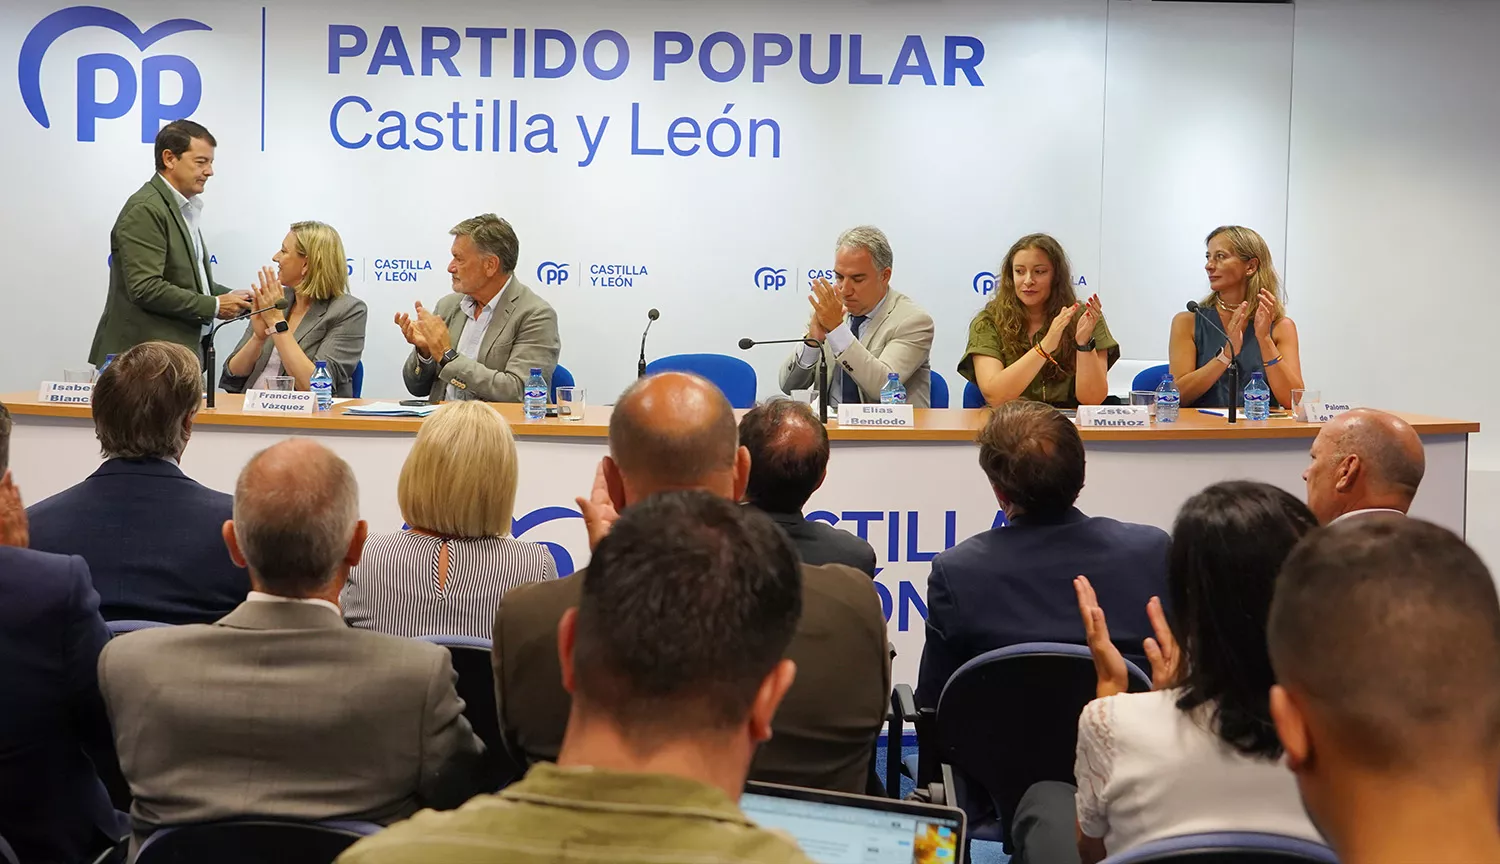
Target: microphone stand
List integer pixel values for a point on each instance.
(822, 367)
(640, 366)
(1233, 370)
(209, 358)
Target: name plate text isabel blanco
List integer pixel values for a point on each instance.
(65, 392)
(1115, 416)
(863, 416)
(279, 402)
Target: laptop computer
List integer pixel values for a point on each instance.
(837, 828)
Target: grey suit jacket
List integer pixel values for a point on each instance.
(332, 330)
(522, 334)
(898, 339)
(280, 709)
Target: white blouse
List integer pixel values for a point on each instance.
(1147, 770)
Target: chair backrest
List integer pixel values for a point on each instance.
(732, 375)
(7, 854)
(253, 841)
(1150, 377)
(973, 398)
(1227, 847)
(938, 398)
(130, 626)
(476, 686)
(357, 380)
(1009, 717)
(561, 377)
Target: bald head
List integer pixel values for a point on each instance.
(788, 455)
(296, 511)
(1364, 459)
(674, 430)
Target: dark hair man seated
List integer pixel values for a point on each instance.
(674, 658)
(788, 462)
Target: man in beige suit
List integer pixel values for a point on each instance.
(676, 431)
(488, 335)
(280, 709)
(868, 329)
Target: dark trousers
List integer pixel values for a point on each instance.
(1045, 830)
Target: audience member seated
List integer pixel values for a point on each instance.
(280, 709)
(676, 431)
(674, 658)
(1385, 637)
(53, 728)
(445, 574)
(1014, 584)
(788, 462)
(1198, 753)
(150, 534)
(1364, 461)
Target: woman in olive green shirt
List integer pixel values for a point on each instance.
(1026, 344)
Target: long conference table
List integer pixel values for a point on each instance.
(911, 493)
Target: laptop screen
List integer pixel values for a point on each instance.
(850, 829)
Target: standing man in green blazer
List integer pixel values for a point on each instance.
(160, 283)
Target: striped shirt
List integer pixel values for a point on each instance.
(399, 588)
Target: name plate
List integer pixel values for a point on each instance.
(279, 402)
(1115, 416)
(877, 416)
(62, 391)
(1322, 412)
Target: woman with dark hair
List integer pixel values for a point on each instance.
(1199, 752)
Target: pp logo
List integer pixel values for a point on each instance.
(984, 282)
(552, 273)
(148, 83)
(770, 278)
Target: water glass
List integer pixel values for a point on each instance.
(283, 383)
(82, 375)
(1144, 397)
(1299, 398)
(571, 403)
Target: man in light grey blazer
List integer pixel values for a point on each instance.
(867, 328)
(279, 709)
(489, 334)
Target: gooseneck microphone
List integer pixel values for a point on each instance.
(210, 385)
(1234, 361)
(640, 366)
(747, 343)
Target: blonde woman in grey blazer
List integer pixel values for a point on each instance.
(321, 321)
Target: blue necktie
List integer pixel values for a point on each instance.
(850, 390)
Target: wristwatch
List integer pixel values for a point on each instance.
(281, 327)
(1087, 346)
(449, 356)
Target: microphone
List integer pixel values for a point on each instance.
(208, 346)
(640, 366)
(1234, 361)
(748, 343)
(810, 342)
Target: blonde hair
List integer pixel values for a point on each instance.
(1247, 244)
(460, 478)
(327, 267)
(1010, 316)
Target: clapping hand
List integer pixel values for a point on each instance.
(1059, 328)
(1090, 317)
(1236, 329)
(1109, 663)
(828, 309)
(14, 529)
(265, 295)
(425, 332)
(598, 509)
(1162, 651)
(1265, 310)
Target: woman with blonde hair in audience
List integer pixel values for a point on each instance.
(1199, 753)
(446, 572)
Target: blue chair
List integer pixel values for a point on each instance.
(561, 377)
(732, 375)
(939, 395)
(1227, 847)
(1150, 377)
(253, 841)
(129, 626)
(357, 380)
(972, 397)
(476, 686)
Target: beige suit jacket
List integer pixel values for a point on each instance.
(522, 335)
(897, 339)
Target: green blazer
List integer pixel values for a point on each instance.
(155, 291)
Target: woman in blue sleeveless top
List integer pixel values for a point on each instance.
(1245, 304)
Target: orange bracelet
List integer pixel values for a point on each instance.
(1043, 352)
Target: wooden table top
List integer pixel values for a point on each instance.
(943, 424)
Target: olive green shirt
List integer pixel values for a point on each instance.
(583, 814)
(984, 339)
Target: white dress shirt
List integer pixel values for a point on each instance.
(474, 329)
(263, 597)
(192, 212)
(1366, 512)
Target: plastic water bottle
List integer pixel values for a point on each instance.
(534, 398)
(1257, 397)
(893, 393)
(322, 386)
(1167, 400)
(108, 359)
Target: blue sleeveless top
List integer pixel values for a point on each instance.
(1211, 342)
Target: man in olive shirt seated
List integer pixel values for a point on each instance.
(673, 657)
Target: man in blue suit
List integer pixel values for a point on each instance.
(52, 805)
(151, 536)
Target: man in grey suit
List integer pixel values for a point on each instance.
(489, 334)
(867, 328)
(279, 709)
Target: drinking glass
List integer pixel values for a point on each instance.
(572, 403)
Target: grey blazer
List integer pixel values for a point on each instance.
(332, 330)
(522, 334)
(282, 710)
(898, 339)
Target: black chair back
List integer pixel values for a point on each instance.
(7, 854)
(1009, 718)
(253, 841)
(476, 686)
